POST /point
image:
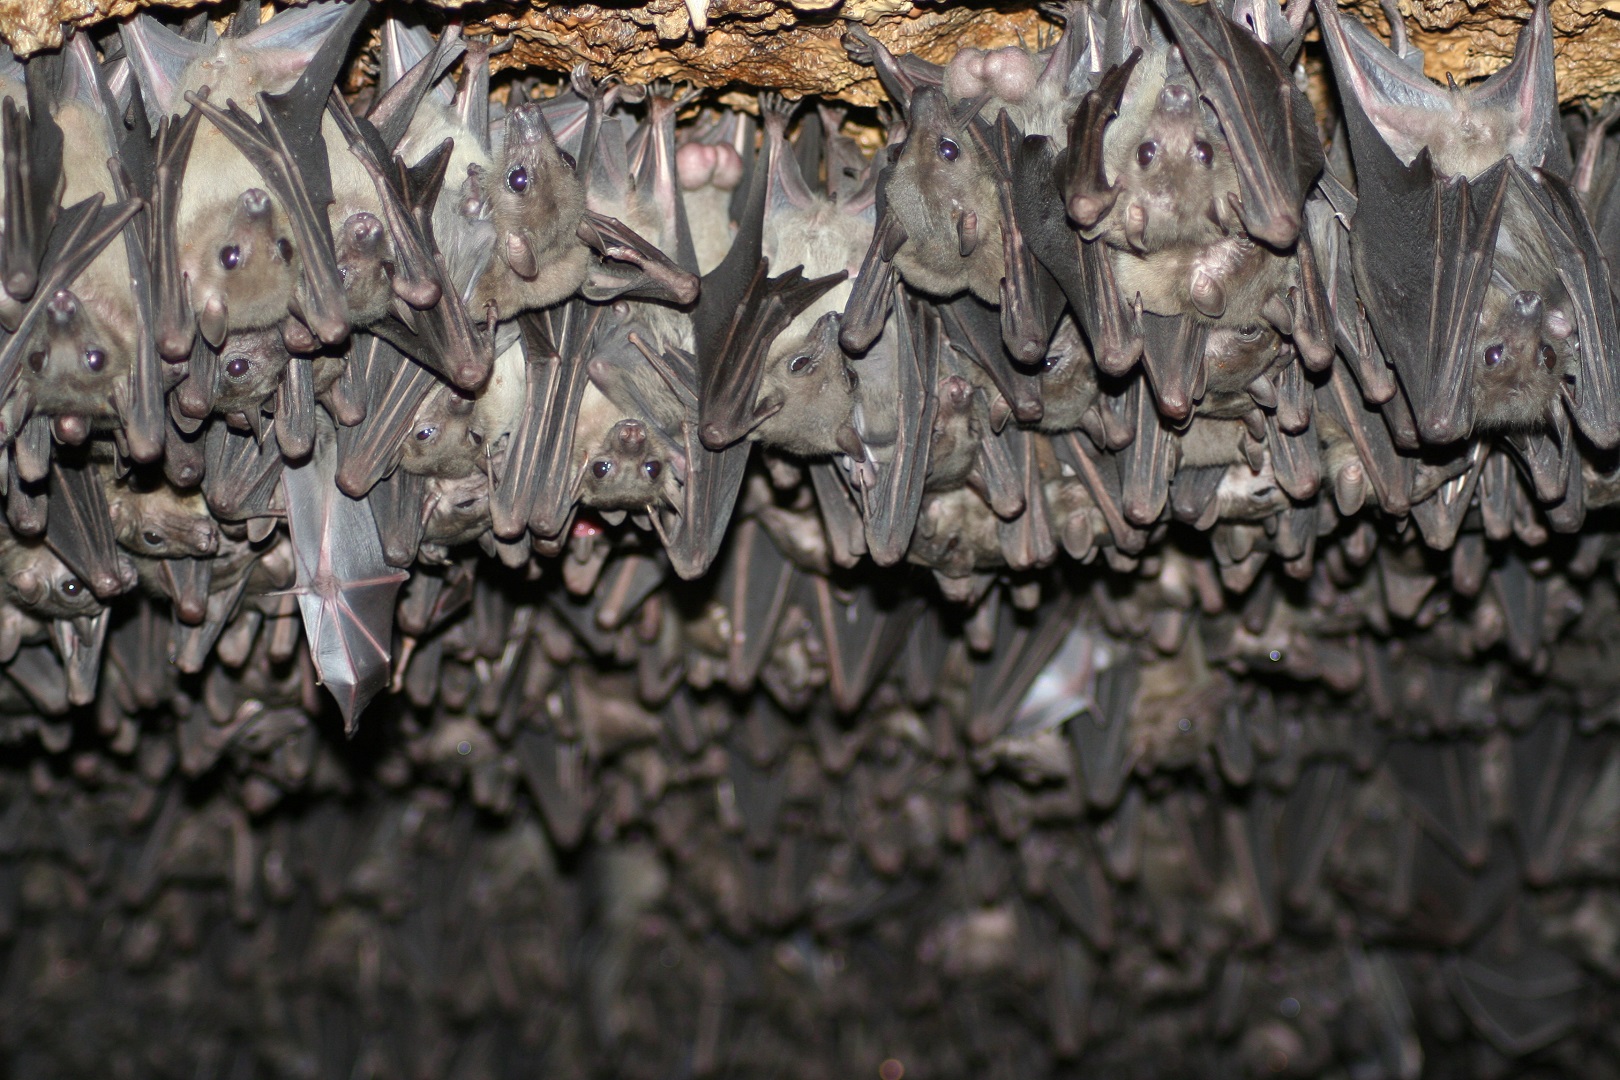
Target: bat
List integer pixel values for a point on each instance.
(249, 256)
(79, 528)
(345, 588)
(1520, 992)
(1542, 295)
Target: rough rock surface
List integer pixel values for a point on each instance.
(794, 46)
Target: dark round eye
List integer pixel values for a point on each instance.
(949, 150)
(518, 180)
(72, 587)
(1249, 333)
(652, 469)
(1146, 153)
(95, 359)
(601, 468)
(284, 249)
(801, 364)
(1203, 152)
(1493, 356)
(1549, 359)
(152, 538)
(238, 367)
(426, 432)
(230, 256)
(568, 159)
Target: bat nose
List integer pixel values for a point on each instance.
(1527, 305)
(1175, 98)
(63, 308)
(255, 203)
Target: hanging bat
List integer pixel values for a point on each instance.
(345, 588)
(248, 256)
(1522, 322)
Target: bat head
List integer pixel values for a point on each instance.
(250, 369)
(632, 468)
(954, 441)
(42, 585)
(535, 198)
(457, 511)
(815, 388)
(162, 523)
(1234, 356)
(1523, 349)
(956, 534)
(83, 354)
(1173, 168)
(1068, 378)
(442, 441)
(362, 255)
(241, 267)
(942, 190)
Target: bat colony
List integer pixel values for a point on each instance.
(1160, 632)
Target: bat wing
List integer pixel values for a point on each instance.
(863, 632)
(1099, 473)
(393, 389)
(242, 472)
(870, 297)
(1087, 194)
(1520, 992)
(693, 532)
(174, 321)
(345, 587)
(1027, 541)
(1081, 270)
(1100, 737)
(1388, 471)
(187, 583)
(630, 266)
(33, 173)
(1193, 494)
(397, 505)
(1441, 781)
(891, 504)
(1148, 464)
(435, 327)
(840, 515)
(756, 583)
(1327, 222)
(1554, 769)
(545, 451)
(1296, 457)
(1267, 120)
(1024, 643)
(80, 530)
(391, 113)
(1594, 399)
(1031, 301)
(1173, 355)
(1523, 598)
(901, 76)
(558, 777)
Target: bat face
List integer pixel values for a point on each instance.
(1524, 350)
(240, 264)
(250, 368)
(42, 585)
(536, 203)
(941, 190)
(362, 254)
(1068, 379)
(954, 441)
(442, 442)
(1171, 164)
(82, 356)
(814, 389)
(162, 523)
(631, 468)
(1234, 356)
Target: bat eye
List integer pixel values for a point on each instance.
(71, 587)
(652, 469)
(95, 359)
(238, 367)
(152, 538)
(284, 249)
(1146, 153)
(799, 365)
(426, 432)
(1204, 152)
(36, 362)
(1549, 359)
(518, 180)
(949, 150)
(230, 256)
(601, 468)
(1493, 356)
(568, 159)
(1250, 332)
